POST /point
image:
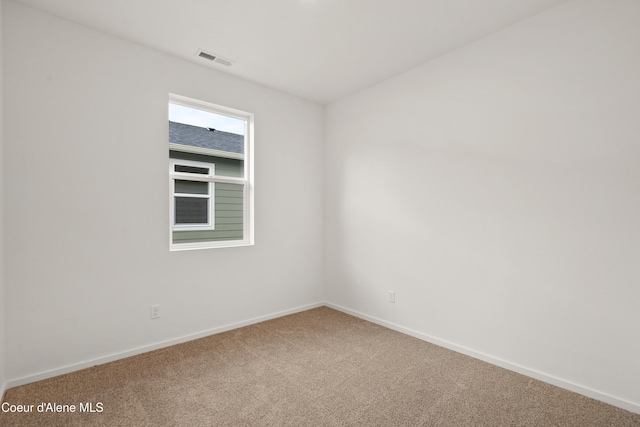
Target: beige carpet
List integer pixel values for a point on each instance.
(316, 368)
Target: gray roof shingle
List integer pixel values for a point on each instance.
(195, 136)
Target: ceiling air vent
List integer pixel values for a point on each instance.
(215, 58)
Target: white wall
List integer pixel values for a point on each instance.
(497, 191)
(87, 200)
(2, 304)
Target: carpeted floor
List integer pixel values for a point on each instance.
(316, 368)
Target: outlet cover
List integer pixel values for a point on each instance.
(392, 296)
(155, 311)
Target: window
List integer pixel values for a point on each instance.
(210, 175)
(193, 204)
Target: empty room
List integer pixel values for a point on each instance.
(320, 212)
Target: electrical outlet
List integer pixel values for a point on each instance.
(392, 296)
(155, 311)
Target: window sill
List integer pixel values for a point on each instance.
(208, 245)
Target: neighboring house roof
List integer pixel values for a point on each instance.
(205, 139)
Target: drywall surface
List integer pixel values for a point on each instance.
(87, 200)
(496, 190)
(2, 303)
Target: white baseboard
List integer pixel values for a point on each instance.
(568, 385)
(550, 379)
(144, 349)
(3, 388)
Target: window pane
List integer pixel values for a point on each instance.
(191, 169)
(191, 187)
(191, 210)
(205, 140)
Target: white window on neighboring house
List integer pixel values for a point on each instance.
(192, 204)
(210, 175)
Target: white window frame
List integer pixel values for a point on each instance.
(211, 216)
(246, 181)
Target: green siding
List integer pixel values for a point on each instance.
(224, 167)
(228, 199)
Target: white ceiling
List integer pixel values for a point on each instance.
(321, 50)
